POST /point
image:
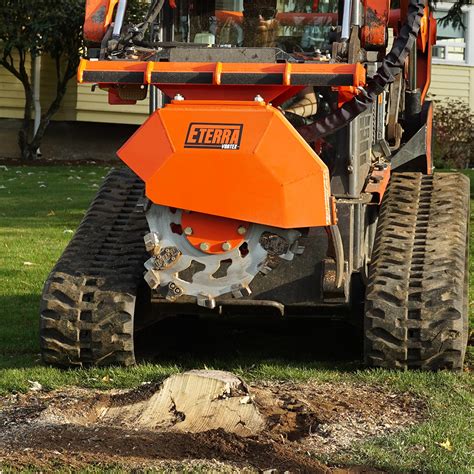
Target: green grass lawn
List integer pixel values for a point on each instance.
(39, 209)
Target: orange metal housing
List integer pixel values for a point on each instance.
(98, 18)
(237, 159)
(426, 40)
(284, 19)
(376, 19)
(217, 234)
(223, 81)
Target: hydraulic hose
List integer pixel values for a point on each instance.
(346, 20)
(391, 66)
(137, 34)
(119, 17)
(151, 17)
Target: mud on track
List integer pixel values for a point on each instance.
(63, 428)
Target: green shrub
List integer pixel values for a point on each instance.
(453, 134)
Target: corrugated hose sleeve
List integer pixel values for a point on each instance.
(391, 66)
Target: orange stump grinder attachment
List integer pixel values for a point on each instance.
(239, 160)
(236, 175)
(232, 184)
(230, 179)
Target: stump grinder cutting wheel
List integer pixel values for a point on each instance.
(285, 165)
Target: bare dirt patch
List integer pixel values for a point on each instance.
(78, 427)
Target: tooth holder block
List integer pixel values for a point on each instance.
(221, 152)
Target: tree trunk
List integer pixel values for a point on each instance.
(36, 140)
(26, 130)
(24, 135)
(28, 152)
(32, 145)
(28, 141)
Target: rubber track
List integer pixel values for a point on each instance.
(417, 296)
(88, 302)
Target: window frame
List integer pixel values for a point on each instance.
(468, 10)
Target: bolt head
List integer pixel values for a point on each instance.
(259, 98)
(242, 230)
(226, 246)
(204, 246)
(178, 97)
(188, 231)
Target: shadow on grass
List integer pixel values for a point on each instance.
(229, 343)
(243, 342)
(19, 328)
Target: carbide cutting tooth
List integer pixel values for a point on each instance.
(270, 263)
(143, 205)
(206, 301)
(241, 292)
(152, 277)
(265, 269)
(152, 242)
(297, 249)
(150, 263)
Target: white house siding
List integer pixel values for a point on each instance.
(12, 101)
(67, 110)
(94, 107)
(452, 82)
(79, 103)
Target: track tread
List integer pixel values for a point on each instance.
(88, 301)
(416, 306)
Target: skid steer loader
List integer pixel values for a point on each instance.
(286, 167)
